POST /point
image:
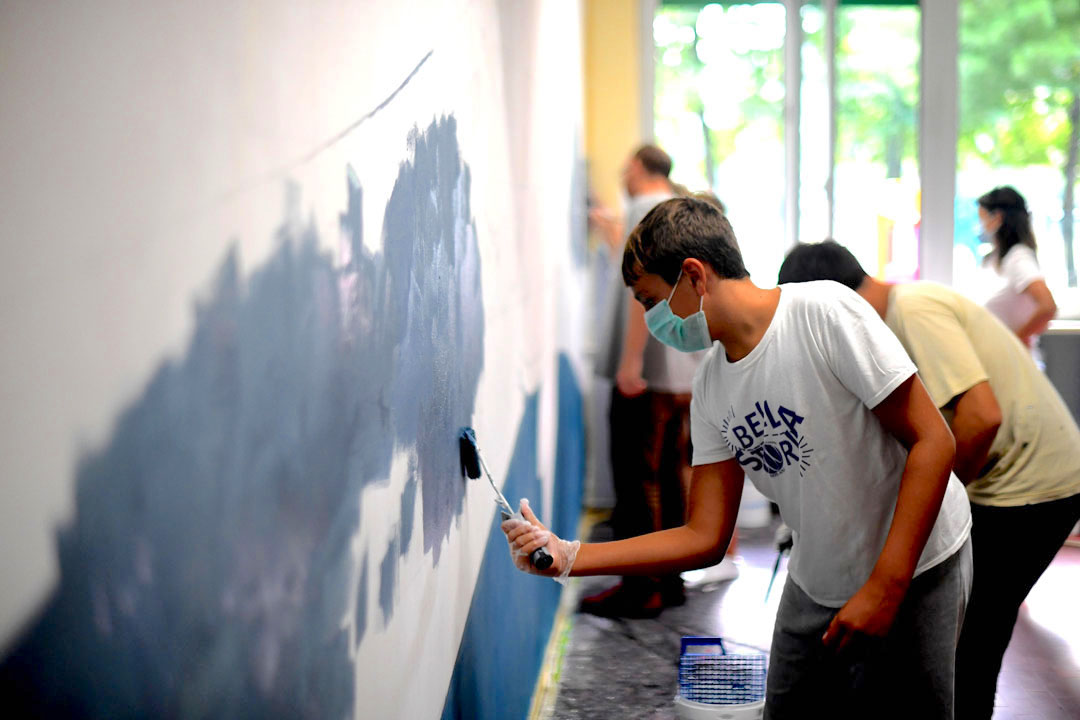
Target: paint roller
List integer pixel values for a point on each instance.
(472, 464)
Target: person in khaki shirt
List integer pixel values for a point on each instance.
(1017, 447)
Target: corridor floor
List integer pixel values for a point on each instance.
(627, 669)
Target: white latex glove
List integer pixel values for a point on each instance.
(525, 534)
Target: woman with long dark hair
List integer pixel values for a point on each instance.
(1024, 303)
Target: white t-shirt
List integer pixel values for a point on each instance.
(796, 414)
(1018, 269)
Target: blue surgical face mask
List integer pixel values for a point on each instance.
(688, 334)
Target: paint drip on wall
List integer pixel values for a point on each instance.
(207, 570)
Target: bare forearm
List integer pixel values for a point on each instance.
(975, 421)
(1045, 310)
(637, 333)
(922, 488)
(1036, 325)
(972, 451)
(658, 553)
(910, 415)
(715, 492)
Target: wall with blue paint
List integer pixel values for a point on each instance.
(297, 249)
(505, 637)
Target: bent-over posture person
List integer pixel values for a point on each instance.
(1017, 447)
(810, 396)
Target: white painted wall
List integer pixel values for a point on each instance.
(139, 140)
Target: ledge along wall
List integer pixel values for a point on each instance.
(261, 262)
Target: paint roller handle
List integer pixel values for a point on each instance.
(540, 558)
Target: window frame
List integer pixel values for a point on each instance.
(938, 116)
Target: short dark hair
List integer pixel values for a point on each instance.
(654, 160)
(677, 229)
(710, 197)
(1015, 219)
(828, 260)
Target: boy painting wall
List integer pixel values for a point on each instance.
(810, 396)
(1017, 447)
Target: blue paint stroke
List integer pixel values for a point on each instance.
(434, 303)
(209, 565)
(408, 507)
(388, 578)
(511, 615)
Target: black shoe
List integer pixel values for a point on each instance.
(672, 593)
(624, 602)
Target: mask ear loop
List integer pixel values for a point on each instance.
(672, 293)
(701, 298)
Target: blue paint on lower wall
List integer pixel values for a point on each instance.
(569, 453)
(512, 614)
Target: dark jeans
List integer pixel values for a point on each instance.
(1012, 546)
(650, 462)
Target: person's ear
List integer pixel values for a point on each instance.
(695, 270)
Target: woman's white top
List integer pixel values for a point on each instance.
(1017, 270)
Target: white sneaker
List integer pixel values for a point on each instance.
(723, 571)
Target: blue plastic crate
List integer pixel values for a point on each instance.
(709, 674)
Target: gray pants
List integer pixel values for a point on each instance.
(907, 674)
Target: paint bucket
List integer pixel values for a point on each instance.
(715, 684)
(689, 710)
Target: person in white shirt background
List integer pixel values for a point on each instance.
(650, 409)
(1023, 302)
